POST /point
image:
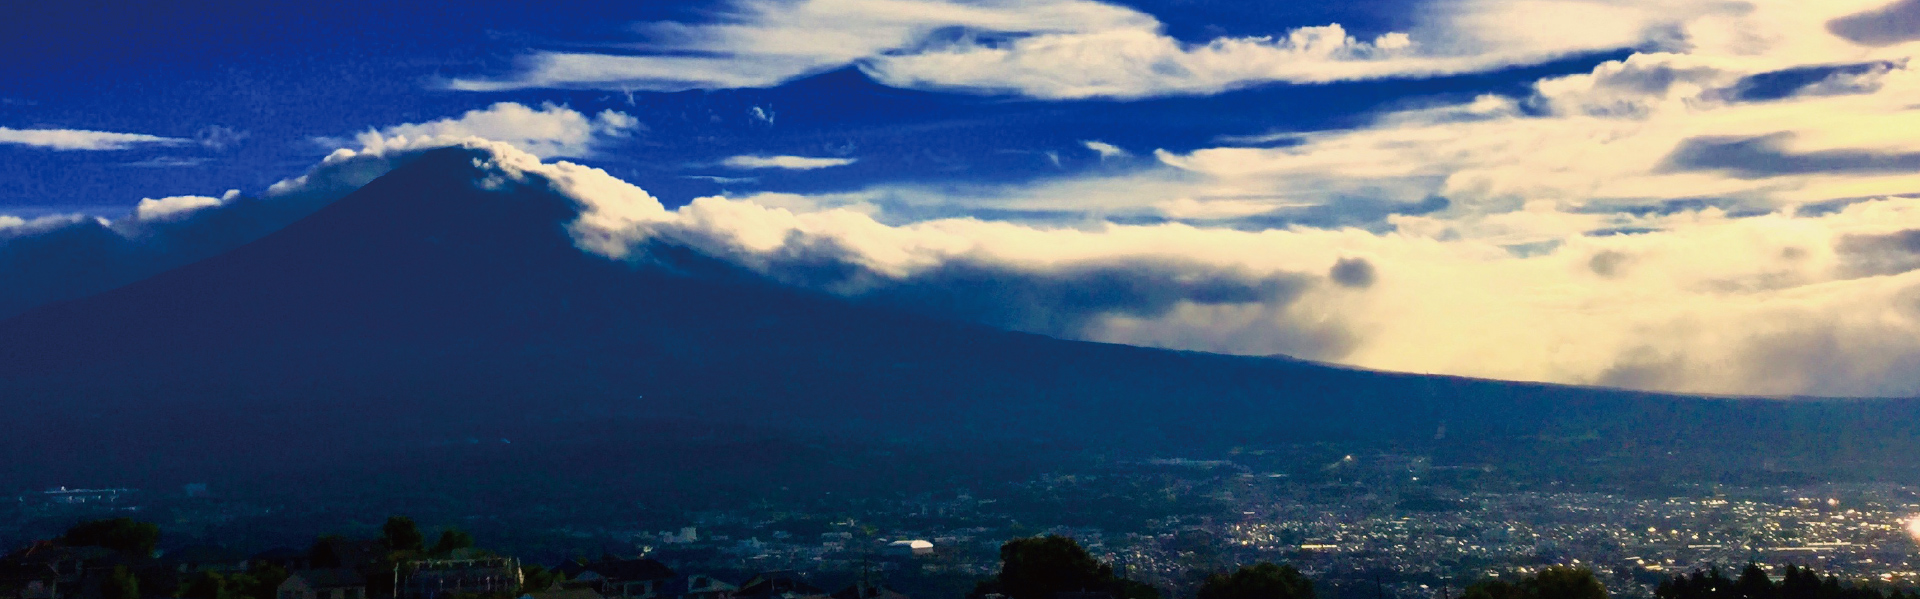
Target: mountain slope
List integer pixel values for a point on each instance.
(438, 306)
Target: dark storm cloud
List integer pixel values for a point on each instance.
(1871, 255)
(1359, 212)
(1607, 263)
(1806, 351)
(1766, 156)
(1356, 273)
(1060, 301)
(1063, 301)
(1645, 207)
(1885, 26)
(1644, 368)
(1814, 80)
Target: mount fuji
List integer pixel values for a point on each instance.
(438, 315)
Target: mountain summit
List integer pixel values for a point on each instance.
(445, 304)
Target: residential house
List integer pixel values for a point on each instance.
(206, 558)
(48, 569)
(329, 583)
(627, 578)
(779, 584)
(699, 586)
(567, 592)
(438, 579)
(910, 548)
(286, 558)
(862, 589)
(28, 581)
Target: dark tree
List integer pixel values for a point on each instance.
(535, 577)
(119, 534)
(1796, 582)
(322, 553)
(1562, 582)
(451, 540)
(1040, 567)
(120, 584)
(262, 581)
(1753, 584)
(1259, 581)
(1554, 582)
(207, 585)
(401, 534)
(1493, 589)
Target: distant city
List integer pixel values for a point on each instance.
(1364, 525)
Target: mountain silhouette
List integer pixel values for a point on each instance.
(438, 308)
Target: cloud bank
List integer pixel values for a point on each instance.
(1781, 303)
(1061, 49)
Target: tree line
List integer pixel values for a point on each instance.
(135, 574)
(1041, 567)
(1055, 567)
(1798, 582)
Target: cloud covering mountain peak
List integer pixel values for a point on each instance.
(1646, 310)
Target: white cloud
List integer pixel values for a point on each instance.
(785, 162)
(1080, 48)
(76, 139)
(175, 207)
(171, 207)
(1136, 62)
(1104, 149)
(551, 131)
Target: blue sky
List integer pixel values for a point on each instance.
(254, 85)
(1665, 194)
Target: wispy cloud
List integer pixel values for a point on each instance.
(720, 179)
(220, 138)
(167, 162)
(1077, 48)
(800, 163)
(1105, 150)
(78, 139)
